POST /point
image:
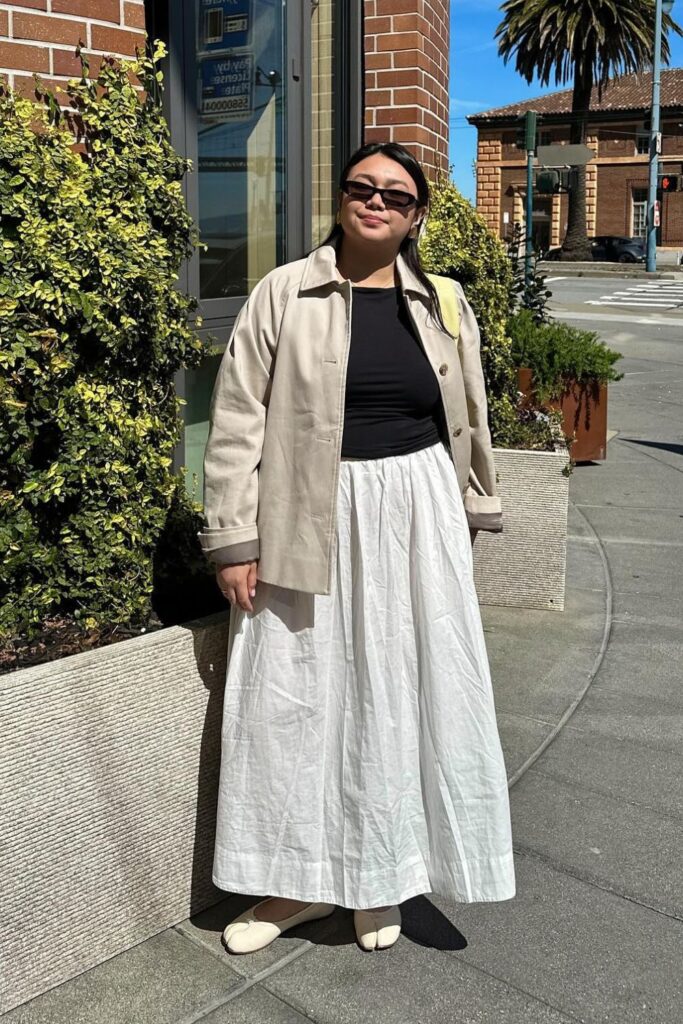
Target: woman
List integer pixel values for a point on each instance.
(347, 470)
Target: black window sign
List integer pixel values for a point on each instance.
(223, 24)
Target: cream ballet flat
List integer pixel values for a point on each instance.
(377, 930)
(246, 933)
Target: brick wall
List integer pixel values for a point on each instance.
(406, 77)
(41, 36)
(615, 186)
(489, 150)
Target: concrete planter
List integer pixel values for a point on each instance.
(525, 565)
(109, 773)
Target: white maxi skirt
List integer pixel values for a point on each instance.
(361, 762)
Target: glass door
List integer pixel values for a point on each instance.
(237, 138)
(265, 99)
(241, 120)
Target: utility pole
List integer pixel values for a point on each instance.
(530, 146)
(526, 140)
(655, 136)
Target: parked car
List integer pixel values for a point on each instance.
(617, 249)
(611, 249)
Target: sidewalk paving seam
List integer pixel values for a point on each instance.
(247, 982)
(562, 869)
(511, 985)
(674, 706)
(676, 819)
(518, 714)
(595, 668)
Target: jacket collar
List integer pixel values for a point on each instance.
(321, 266)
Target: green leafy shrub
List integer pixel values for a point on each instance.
(558, 354)
(92, 332)
(457, 243)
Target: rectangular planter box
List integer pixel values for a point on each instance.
(109, 777)
(525, 565)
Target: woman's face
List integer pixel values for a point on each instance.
(372, 220)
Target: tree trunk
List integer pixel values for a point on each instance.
(576, 245)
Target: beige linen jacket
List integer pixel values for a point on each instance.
(271, 466)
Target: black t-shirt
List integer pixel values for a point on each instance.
(393, 404)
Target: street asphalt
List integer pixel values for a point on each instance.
(590, 709)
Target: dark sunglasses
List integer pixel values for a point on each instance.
(392, 197)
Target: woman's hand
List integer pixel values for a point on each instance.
(237, 583)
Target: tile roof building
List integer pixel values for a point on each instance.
(617, 131)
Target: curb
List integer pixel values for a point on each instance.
(609, 270)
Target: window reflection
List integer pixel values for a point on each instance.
(241, 127)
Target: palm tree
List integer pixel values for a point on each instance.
(586, 42)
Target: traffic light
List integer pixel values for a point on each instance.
(525, 132)
(547, 182)
(667, 182)
(550, 181)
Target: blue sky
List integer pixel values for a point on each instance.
(480, 80)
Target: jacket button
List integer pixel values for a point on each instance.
(457, 432)
(443, 369)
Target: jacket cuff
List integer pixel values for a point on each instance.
(218, 552)
(483, 511)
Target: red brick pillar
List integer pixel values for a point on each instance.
(406, 77)
(33, 39)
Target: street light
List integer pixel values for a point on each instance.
(661, 6)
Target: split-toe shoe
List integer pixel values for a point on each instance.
(377, 929)
(247, 933)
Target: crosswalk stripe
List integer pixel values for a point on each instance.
(645, 298)
(630, 302)
(646, 294)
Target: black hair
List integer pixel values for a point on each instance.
(408, 248)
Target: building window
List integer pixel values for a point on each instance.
(545, 138)
(639, 212)
(642, 143)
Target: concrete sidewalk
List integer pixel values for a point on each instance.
(590, 708)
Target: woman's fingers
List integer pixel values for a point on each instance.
(243, 599)
(238, 583)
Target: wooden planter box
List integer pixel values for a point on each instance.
(584, 412)
(525, 565)
(109, 765)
